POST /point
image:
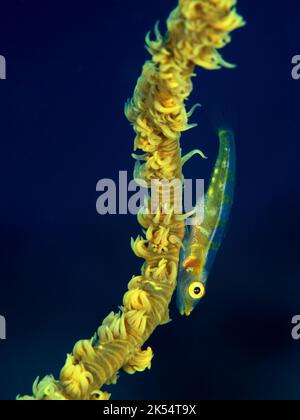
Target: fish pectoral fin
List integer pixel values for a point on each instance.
(187, 157)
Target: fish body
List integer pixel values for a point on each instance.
(203, 240)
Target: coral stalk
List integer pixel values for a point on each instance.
(196, 29)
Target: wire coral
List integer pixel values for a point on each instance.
(196, 29)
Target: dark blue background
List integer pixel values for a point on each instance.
(71, 65)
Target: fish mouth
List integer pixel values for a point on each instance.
(186, 311)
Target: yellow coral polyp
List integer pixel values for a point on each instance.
(140, 361)
(137, 299)
(196, 29)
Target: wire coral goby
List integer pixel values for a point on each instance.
(196, 29)
(203, 239)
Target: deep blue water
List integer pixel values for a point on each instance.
(71, 65)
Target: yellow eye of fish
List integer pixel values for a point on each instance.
(196, 290)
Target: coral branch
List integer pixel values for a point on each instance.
(196, 30)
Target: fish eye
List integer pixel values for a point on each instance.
(196, 290)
